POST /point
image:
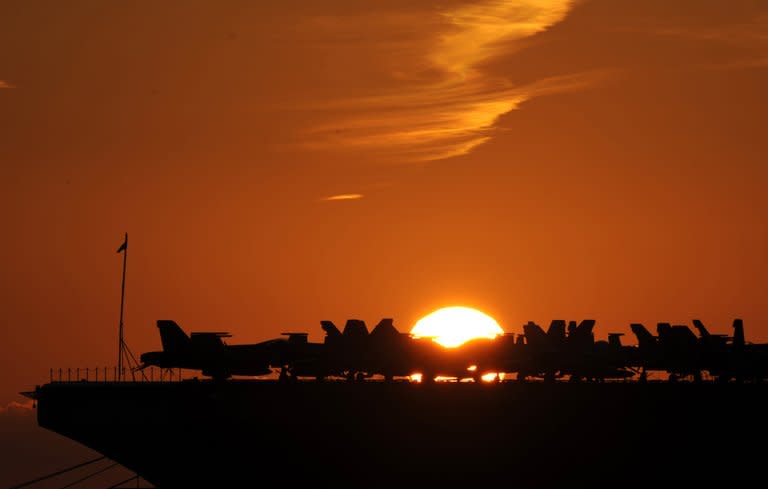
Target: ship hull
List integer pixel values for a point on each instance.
(375, 434)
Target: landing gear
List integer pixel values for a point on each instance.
(352, 376)
(697, 377)
(217, 375)
(286, 374)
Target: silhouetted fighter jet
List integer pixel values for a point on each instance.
(294, 356)
(544, 350)
(344, 352)
(571, 351)
(588, 359)
(357, 354)
(674, 350)
(207, 352)
(486, 356)
(732, 358)
(391, 353)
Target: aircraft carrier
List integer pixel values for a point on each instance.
(235, 433)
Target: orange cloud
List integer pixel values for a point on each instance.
(17, 408)
(5, 84)
(450, 105)
(437, 125)
(751, 38)
(481, 29)
(343, 197)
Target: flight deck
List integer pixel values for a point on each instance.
(199, 433)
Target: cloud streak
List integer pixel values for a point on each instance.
(748, 39)
(446, 104)
(421, 126)
(5, 84)
(16, 408)
(480, 29)
(343, 197)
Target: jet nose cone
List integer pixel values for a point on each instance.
(151, 358)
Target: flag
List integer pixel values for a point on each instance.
(124, 246)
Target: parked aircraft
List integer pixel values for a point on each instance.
(674, 350)
(357, 354)
(207, 351)
(733, 358)
(567, 349)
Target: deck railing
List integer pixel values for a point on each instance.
(111, 374)
(155, 374)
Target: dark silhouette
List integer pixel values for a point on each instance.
(355, 433)
(567, 350)
(207, 351)
(732, 358)
(677, 351)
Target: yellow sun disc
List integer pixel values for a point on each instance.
(452, 326)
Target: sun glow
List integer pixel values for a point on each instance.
(489, 377)
(452, 326)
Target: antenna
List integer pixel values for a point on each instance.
(121, 345)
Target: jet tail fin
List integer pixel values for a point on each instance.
(534, 335)
(644, 337)
(700, 328)
(738, 332)
(581, 333)
(331, 331)
(385, 327)
(172, 336)
(355, 328)
(556, 331)
(664, 333)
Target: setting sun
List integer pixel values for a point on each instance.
(452, 326)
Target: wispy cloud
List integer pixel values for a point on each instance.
(5, 84)
(343, 197)
(752, 32)
(446, 103)
(749, 39)
(17, 408)
(481, 28)
(432, 126)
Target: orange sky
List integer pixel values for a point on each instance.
(536, 159)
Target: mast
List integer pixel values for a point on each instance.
(121, 343)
